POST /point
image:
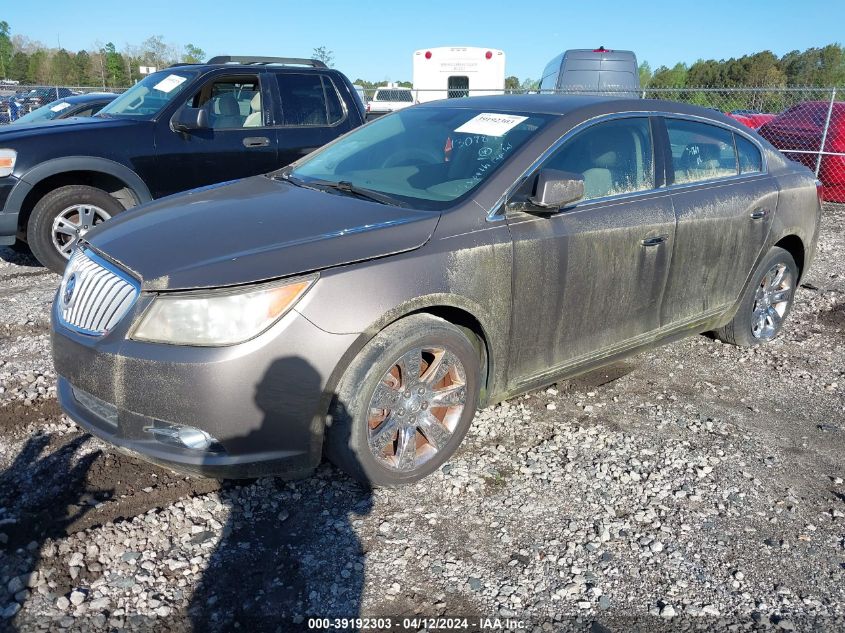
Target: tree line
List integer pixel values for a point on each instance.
(31, 62)
(814, 67)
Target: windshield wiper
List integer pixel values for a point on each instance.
(361, 192)
(344, 186)
(284, 174)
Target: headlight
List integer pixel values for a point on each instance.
(222, 317)
(7, 161)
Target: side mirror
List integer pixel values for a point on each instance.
(556, 189)
(187, 119)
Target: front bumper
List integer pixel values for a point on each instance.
(264, 401)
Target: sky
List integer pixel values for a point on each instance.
(375, 40)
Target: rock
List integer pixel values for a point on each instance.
(62, 603)
(77, 597)
(668, 611)
(15, 585)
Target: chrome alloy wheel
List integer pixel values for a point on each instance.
(415, 408)
(771, 302)
(73, 223)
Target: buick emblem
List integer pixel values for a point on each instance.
(67, 295)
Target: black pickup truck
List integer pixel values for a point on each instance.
(184, 127)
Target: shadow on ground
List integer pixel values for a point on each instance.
(298, 555)
(42, 493)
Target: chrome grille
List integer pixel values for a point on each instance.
(94, 295)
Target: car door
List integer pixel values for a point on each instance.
(240, 140)
(312, 113)
(724, 205)
(588, 280)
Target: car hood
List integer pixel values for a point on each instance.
(253, 230)
(58, 126)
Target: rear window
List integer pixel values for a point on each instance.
(309, 99)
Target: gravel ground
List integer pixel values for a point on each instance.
(696, 486)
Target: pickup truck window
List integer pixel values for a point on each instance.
(308, 99)
(147, 97)
(231, 102)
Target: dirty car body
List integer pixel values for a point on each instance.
(680, 205)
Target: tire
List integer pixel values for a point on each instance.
(348, 436)
(761, 298)
(61, 201)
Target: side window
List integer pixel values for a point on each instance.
(87, 112)
(700, 151)
(231, 102)
(614, 157)
(333, 105)
(750, 161)
(308, 99)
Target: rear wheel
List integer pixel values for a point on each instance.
(63, 216)
(766, 303)
(405, 403)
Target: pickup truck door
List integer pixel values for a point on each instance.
(240, 142)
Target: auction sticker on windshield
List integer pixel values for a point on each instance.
(491, 124)
(59, 107)
(169, 83)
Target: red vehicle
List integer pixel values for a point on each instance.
(751, 119)
(801, 128)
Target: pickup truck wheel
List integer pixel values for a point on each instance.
(63, 216)
(766, 303)
(405, 402)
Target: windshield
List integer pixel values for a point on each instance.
(429, 157)
(147, 97)
(44, 113)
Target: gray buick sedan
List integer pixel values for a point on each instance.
(363, 302)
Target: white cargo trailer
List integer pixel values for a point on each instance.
(451, 72)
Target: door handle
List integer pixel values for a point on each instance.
(654, 241)
(256, 141)
(759, 214)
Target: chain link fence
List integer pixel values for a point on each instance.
(806, 124)
(16, 100)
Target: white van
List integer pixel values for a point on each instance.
(596, 71)
(451, 72)
(389, 99)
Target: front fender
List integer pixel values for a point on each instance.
(28, 180)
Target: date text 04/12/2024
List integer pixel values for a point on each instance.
(417, 623)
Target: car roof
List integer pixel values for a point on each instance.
(586, 105)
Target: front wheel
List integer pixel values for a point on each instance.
(63, 216)
(405, 402)
(766, 303)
